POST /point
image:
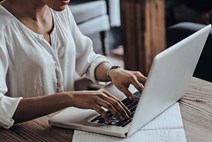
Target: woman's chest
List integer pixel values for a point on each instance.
(33, 51)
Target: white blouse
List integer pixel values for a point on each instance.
(30, 66)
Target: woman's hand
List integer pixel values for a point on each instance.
(123, 78)
(96, 100)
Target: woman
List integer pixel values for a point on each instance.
(41, 48)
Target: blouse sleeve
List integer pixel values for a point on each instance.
(86, 59)
(8, 105)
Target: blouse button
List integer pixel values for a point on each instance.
(59, 84)
(59, 87)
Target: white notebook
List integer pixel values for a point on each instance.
(167, 127)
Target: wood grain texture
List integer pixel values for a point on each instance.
(37, 130)
(143, 29)
(196, 109)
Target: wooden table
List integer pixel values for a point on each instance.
(196, 109)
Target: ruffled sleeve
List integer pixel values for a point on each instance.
(8, 105)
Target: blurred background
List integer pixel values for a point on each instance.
(104, 15)
(101, 21)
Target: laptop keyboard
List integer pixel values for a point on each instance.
(131, 105)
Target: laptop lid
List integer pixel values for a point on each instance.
(167, 81)
(168, 78)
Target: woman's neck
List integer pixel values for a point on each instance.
(34, 9)
(34, 14)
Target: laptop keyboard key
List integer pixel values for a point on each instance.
(131, 105)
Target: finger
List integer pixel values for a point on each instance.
(137, 84)
(115, 111)
(103, 114)
(114, 107)
(125, 112)
(141, 78)
(110, 107)
(126, 92)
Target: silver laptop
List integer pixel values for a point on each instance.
(167, 82)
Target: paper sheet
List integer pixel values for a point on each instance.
(169, 119)
(167, 127)
(173, 135)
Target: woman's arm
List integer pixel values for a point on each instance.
(120, 78)
(101, 71)
(31, 108)
(34, 107)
